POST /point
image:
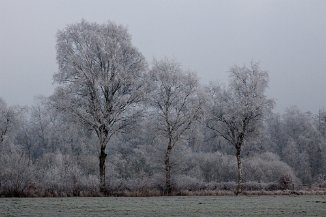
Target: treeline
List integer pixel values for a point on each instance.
(116, 124)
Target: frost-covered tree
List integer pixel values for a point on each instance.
(176, 103)
(276, 137)
(303, 149)
(15, 171)
(9, 119)
(236, 113)
(100, 80)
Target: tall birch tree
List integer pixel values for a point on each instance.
(100, 80)
(176, 104)
(236, 113)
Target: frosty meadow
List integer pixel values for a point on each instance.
(165, 206)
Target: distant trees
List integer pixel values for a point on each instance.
(163, 132)
(9, 120)
(15, 172)
(236, 113)
(100, 80)
(303, 143)
(176, 103)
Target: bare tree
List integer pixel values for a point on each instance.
(100, 80)
(176, 104)
(236, 113)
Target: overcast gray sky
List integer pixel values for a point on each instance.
(288, 38)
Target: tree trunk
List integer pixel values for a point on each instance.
(102, 158)
(168, 187)
(239, 187)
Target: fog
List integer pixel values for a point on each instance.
(208, 37)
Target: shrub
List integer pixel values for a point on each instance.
(285, 182)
